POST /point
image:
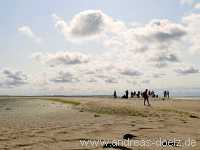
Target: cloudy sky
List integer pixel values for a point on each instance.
(96, 46)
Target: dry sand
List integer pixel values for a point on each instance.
(60, 123)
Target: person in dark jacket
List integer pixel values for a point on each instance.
(115, 94)
(146, 97)
(126, 94)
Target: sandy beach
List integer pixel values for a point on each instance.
(67, 123)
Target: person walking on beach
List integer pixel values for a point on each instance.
(146, 97)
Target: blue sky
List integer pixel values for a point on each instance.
(59, 35)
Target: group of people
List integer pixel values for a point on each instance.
(145, 95)
(138, 94)
(166, 94)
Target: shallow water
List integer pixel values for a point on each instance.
(187, 98)
(12, 109)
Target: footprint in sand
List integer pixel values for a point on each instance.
(145, 128)
(7, 108)
(4, 139)
(172, 131)
(133, 125)
(62, 132)
(40, 131)
(96, 115)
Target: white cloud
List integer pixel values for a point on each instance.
(131, 72)
(87, 24)
(129, 53)
(11, 79)
(158, 35)
(142, 46)
(161, 31)
(187, 70)
(111, 80)
(27, 31)
(61, 58)
(65, 77)
(163, 59)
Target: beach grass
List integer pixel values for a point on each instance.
(113, 109)
(65, 101)
(180, 112)
(124, 109)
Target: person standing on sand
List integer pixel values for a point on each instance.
(146, 97)
(126, 94)
(132, 95)
(138, 94)
(167, 93)
(115, 94)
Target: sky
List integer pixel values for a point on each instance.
(81, 47)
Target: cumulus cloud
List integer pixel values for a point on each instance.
(13, 79)
(65, 77)
(106, 77)
(87, 23)
(27, 31)
(158, 35)
(61, 58)
(170, 57)
(131, 72)
(162, 31)
(187, 70)
(111, 80)
(163, 59)
(159, 43)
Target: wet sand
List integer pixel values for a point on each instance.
(60, 123)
